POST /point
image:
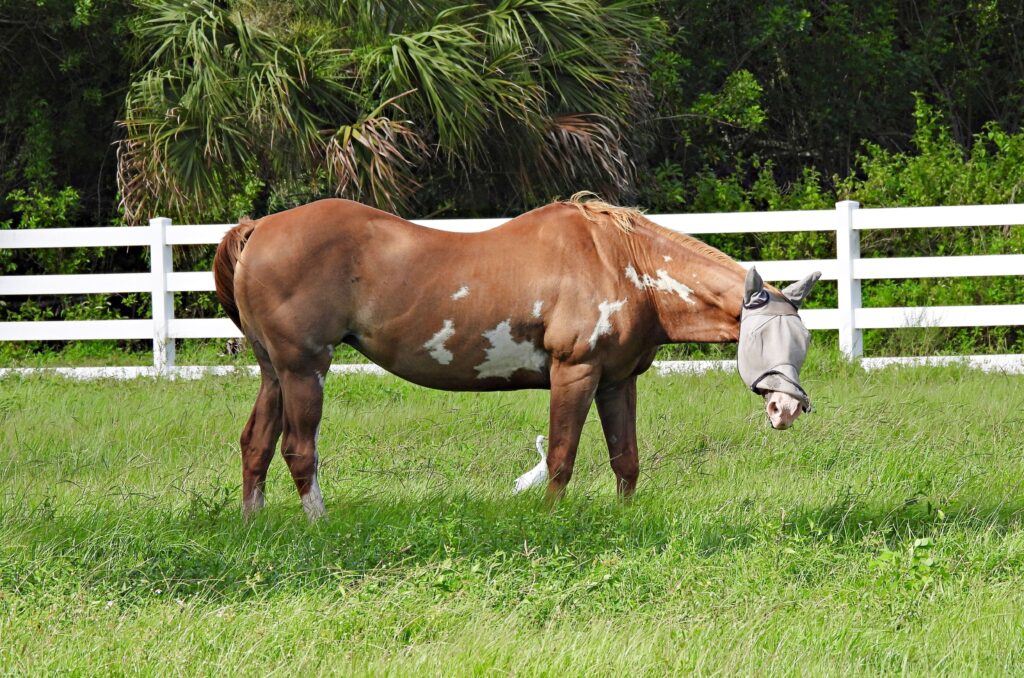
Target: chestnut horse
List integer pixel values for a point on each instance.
(575, 297)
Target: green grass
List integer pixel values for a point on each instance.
(883, 534)
(133, 353)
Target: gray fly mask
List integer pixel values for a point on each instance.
(773, 339)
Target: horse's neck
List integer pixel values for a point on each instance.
(697, 295)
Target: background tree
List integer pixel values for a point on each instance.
(63, 81)
(278, 104)
(799, 84)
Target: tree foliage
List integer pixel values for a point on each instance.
(249, 106)
(827, 76)
(279, 95)
(63, 77)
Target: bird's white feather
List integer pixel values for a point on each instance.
(536, 475)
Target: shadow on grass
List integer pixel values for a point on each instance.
(209, 551)
(848, 521)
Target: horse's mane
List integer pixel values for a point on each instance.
(626, 219)
(597, 211)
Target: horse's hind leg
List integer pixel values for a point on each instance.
(259, 437)
(617, 407)
(303, 406)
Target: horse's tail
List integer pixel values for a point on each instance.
(228, 252)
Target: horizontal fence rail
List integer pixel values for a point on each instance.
(848, 269)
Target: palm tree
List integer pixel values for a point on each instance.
(372, 100)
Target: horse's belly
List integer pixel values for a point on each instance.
(504, 366)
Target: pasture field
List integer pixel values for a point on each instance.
(884, 534)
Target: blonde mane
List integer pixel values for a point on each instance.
(626, 219)
(596, 210)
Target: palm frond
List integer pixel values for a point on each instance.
(374, 159)
(588, 150)
(535, 89)
(219, 97)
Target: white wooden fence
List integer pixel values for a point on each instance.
(848, 269)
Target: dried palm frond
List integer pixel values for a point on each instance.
(375, 156)
(587, 148)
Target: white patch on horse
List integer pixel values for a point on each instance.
(536, 308)
(632, 277)
(664, 282)
(320, 379)
(666, 257)
(507, 355)
(604, 325)
(436, 343)
(460, 293)
(253, 503)
(313, 501)
(667, 283)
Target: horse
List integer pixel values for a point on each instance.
(574, 297)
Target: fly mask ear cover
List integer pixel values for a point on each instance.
(773, 340)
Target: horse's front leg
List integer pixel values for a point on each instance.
(617, 407)
(572, 391)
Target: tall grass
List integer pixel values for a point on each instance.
(883, 534)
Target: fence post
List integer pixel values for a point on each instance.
(163, 301)
(851, 339)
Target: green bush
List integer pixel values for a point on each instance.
(937, 172)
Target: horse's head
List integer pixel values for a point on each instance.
(773, 345)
